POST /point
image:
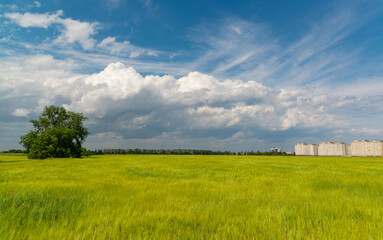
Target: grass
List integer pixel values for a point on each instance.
(191, 197)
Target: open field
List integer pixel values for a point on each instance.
(184, 197)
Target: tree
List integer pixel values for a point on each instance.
(57, 133)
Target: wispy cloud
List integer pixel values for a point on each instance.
(37, 4)
(240, 49)
(231, 44)
(112, 4)
(34, 19)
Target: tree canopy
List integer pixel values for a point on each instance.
(57, 133)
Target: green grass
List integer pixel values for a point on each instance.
(191, 197)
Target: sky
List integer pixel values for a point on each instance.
(219, 75)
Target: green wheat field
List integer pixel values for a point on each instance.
(191, 197)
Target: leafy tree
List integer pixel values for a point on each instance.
(57, 133)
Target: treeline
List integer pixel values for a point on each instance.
(177, 152)
(269, 153)
(86, 152)
(159, 151)
(14, 151)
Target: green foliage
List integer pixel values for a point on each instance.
(161, 151)
(181, 152)
(57, 133)
(14, 151)
(191, 197)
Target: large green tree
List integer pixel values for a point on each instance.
(57, 133)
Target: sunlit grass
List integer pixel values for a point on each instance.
(183, 197)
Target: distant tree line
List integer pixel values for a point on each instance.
(159, 151)
(15, 151)
(176, 152)
(269, 153)
(87, 152)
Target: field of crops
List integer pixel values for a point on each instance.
(191, 197)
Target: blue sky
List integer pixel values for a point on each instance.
(227, 75)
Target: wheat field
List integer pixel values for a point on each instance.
(191, 197)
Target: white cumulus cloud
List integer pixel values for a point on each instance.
(21, 112)
(76, 31)
(196, 101)
(121, 101)
(71, 30)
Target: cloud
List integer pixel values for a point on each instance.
(4, 39)
(11, 132)
(27, 20)
(196, 101)
(120, 101)
(76, 31)
(37, 4)
(34, 81)
(123, 101)
(240, 49)
(362, 87)
(231, 44)
(110, 44)
(125, 48)
(135, 54)
(71, 30)
(107, 41)
(113, 3)
(21, 112)
(366, 131)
